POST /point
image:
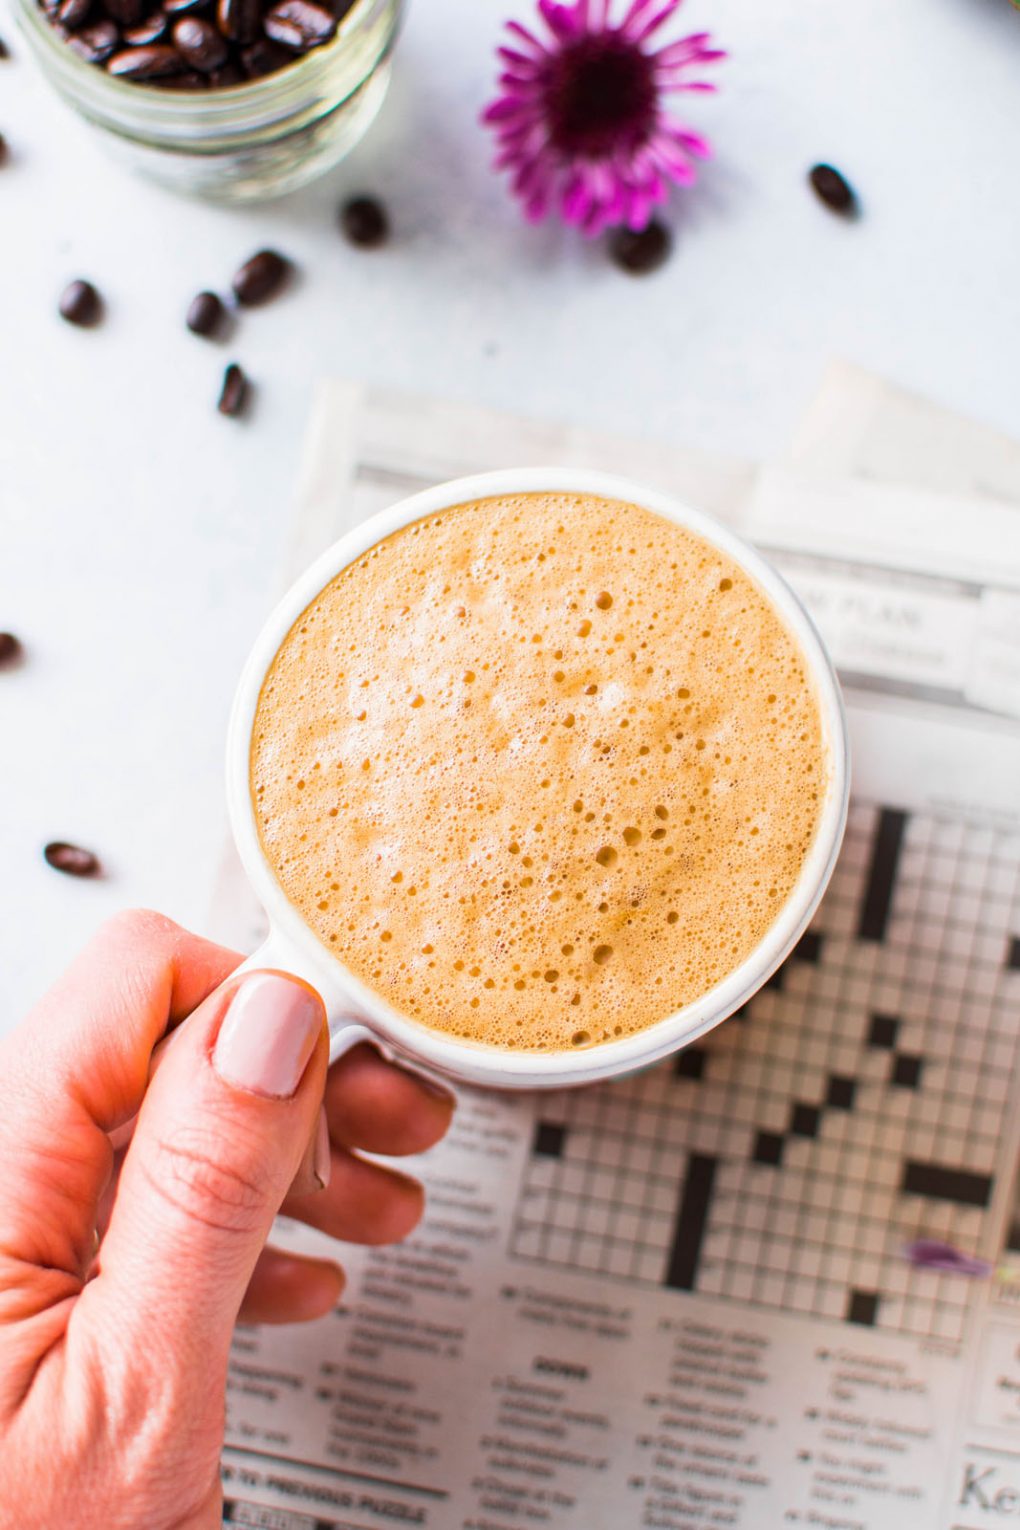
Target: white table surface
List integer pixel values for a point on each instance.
(141, 532)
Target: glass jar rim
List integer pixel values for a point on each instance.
(256, 103)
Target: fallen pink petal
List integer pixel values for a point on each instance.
(930, 1254)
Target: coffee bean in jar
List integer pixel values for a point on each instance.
(233, 100)
(194, 44)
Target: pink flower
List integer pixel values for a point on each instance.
(581, 120)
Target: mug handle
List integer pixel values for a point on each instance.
(346, 1030)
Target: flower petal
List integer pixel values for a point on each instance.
(519, 127)
(530, 138)
(507, 108)
(644, 187)
(668, 75)
(601, 180)
(528, 38)
(615, 205)
(583, 195)
(671, 158)
(933, 1254)
(645, 175)
(523, 146)
(607, 193)
(537, 205)
(639, 210)
(520, 61)
(520, 85)
(562, 20)
(534, 184)
(682, 49)
(637, 33)
(601, 216)
(534, 172)
(694, 143)
(634, 16)
(576, 201)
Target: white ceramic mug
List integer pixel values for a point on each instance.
(355, 1012)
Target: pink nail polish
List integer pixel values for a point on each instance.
(268, 1034)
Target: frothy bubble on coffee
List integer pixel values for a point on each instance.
(540, 769)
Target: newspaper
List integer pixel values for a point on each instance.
(863, 426)
(775, 1280)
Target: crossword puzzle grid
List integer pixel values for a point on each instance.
(854, 1106)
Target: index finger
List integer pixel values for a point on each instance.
(77, 1068)
(92, 1034)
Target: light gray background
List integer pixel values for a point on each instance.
(141, 533)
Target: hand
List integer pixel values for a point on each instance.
(135, 1205)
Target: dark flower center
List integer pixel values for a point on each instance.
(599, 95)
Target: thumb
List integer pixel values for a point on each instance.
(222, 1130)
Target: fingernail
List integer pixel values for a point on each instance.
(322, 1160)
(268, 1035)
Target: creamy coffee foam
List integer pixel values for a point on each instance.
(539, 769)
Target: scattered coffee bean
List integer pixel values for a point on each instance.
(833, 189)
(95, 44)
(3, 149)
(5, 52)
(71, 859)
(10, 649)
(260, 278)
(74, 13)
(299, 25)
(200, 43)
(150, 63)
(234, 393)
(81, 304)
(364, 222)
(152, 30)
(205, 314)
(641, 252)
(239, 20)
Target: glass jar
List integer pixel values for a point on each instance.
(240, 142)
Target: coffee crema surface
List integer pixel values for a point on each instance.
(540, 769)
